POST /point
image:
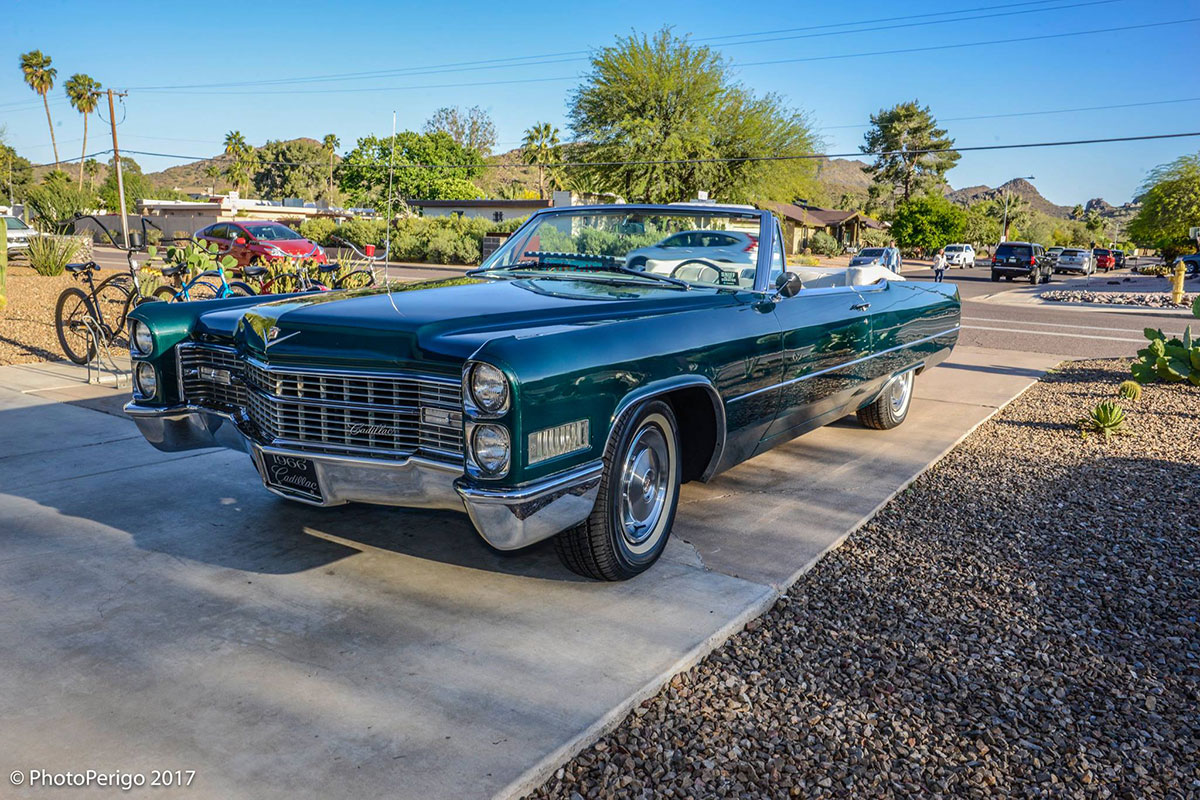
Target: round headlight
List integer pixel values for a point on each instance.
(489, 443)
(146, 379)
(143, 340)
(489, 389)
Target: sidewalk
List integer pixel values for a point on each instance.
(164, 611)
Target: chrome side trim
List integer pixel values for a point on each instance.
(509, 519)
(827, 370)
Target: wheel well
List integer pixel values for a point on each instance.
(693, 407)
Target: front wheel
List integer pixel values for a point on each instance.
(639, 493)
(891, 407)
(240, 289)
(71, 313)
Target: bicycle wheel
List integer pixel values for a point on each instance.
(166, 294)
(358, 279)
(113, 299)
(202, 290)
(73, 307)
(240, 289)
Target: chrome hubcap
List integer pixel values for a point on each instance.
(644, 484)
(901, 392)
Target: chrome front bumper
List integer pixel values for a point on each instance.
(508, 519)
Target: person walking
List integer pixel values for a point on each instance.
(939, 265)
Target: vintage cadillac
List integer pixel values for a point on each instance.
(561, 389)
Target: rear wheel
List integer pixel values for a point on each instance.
(165, 293)
(891, 407)
(240, 289)
(358, 279)
(995, 278)
(639, 493)
(74, 336)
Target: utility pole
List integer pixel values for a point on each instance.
(117, 161)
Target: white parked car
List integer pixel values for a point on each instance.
(1073, 259)
(960, 255)
(673, 254)
(19, 233)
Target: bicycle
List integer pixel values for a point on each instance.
(201, 287)
(358, 277)
(85, 319)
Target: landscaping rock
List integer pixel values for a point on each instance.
(1023, 620)
(1144, 299)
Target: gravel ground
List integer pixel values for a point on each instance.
(1149, 299)
(1020, 622)
(27, 325)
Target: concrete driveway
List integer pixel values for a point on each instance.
(163, 611)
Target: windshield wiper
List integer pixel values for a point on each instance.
(569, 263)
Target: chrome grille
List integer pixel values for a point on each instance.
(208, 388)
(333, 412)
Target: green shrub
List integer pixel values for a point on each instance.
(56, 201)
(362, 232)
(1106, 419)
(49, 255)
(825, 244)
(805, 261)
(1161, 270)
(318, 229)
(1130, 390)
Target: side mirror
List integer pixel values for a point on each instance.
(240, 240)
(789, 284)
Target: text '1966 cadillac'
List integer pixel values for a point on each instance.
(602, 357)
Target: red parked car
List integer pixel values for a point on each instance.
(259, 242)
(1105, 260)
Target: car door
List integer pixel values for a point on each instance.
(823, 331)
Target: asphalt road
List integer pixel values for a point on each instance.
(997, 323)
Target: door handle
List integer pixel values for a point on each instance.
(860, 306)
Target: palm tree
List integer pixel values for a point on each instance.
(92, 168)
(84, 93)
(241, 170)
(235, 143)
(331, 143)
(213, 171)
(40, 77)
(540, 147)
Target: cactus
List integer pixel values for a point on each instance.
(1130, 390)
(1106, 419)
(1171, 360)
(3, 266)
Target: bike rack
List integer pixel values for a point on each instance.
(104, 358)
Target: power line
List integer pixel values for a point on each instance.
(577, 55)
(729, 160)
(1035, 113)
(837, 56)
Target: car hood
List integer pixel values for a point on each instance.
(440, 322)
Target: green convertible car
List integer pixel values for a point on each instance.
(561, 389)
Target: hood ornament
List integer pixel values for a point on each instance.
(273, 337)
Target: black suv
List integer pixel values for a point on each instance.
(1022, 260)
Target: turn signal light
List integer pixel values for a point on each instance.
(558, 441)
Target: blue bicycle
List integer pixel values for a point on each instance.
(210, 284)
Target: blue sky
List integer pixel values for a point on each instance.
(149, 45)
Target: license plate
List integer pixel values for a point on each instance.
(291, 475)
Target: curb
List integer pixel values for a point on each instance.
(535, 776)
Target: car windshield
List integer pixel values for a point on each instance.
(871, 252)
(1100, 252)
(954, 248)
(682, 247)
(1018, 250)
(1072, 253)
(271, 232)
(15, 224)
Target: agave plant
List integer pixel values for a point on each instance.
(1106, 419)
